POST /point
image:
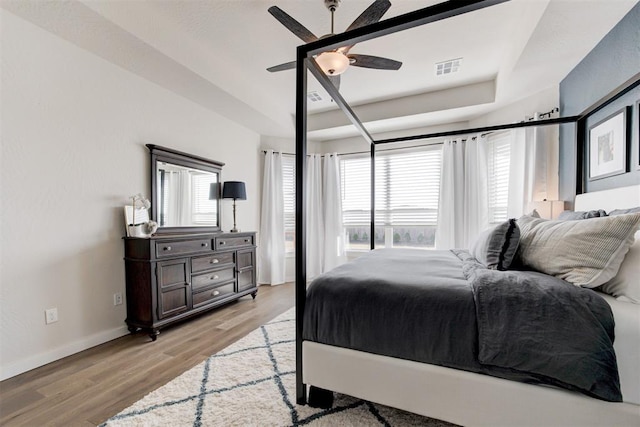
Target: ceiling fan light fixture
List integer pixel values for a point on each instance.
(332, 63)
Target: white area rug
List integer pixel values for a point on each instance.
(252, 383)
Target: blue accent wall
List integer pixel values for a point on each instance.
(612, 62)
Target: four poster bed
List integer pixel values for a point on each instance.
(359, 328)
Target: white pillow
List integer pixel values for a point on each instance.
(586, 252)
(625, 286)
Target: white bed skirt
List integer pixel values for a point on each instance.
(456, 396)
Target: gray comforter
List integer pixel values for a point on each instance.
(444, 308)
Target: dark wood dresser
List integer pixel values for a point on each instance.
(173, 277)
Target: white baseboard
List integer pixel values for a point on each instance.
(35, 361)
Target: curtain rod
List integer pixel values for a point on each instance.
(570, 119)
(488, 130)
(368, 151)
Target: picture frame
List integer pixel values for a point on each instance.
(608, 140)
(142, 216)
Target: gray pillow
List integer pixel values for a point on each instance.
(624, 211)
(496, 247)
(570, 215)
(586, 253)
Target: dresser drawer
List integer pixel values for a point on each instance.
(211, 295)
(203, 280)
(233, 242)
(211, 261)
(167, 249)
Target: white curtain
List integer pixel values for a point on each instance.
(179, 210)
(451, 201)
(532, 168)
(315, 223)
(334, 251)
(271, 253)
(463, 205)
(476, 196)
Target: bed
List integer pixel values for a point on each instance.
(469, 395)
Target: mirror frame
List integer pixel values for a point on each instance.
(163, 154)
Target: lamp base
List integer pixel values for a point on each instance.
(234, 230)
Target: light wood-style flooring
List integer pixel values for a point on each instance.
(89, 387)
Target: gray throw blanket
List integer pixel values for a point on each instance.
(515, 311)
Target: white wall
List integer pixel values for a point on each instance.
(73, 133)
(541, 102)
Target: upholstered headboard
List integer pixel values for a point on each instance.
(616, 198)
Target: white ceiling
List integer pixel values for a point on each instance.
(215, 53)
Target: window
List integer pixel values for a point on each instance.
(407, 192)
(499, 153)
(289, 192)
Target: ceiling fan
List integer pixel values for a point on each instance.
(335, 62)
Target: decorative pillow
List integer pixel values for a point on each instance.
(626, 284)
(624, 211)
(570, 215)
(586, 253)
(496, 247)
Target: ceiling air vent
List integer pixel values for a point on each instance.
(314, 96)
(448, 67)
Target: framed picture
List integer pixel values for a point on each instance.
(608, 146)
(141, 216)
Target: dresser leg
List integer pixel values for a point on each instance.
(254, 293)
(154, 334)
(132, 329)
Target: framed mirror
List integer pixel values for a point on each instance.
(185, 191)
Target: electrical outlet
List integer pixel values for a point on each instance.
(51, 315)
(117, 298)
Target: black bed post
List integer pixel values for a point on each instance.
(372, 231)
(580, 134)
(301, 226)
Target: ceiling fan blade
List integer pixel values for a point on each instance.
(372, 14)
(377, 62)
(292, 25)
(286, 66)
(335, 80)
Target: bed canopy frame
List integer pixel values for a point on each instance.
(305, 62)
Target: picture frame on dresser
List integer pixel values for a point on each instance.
(607, 147)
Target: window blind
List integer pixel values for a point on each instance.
(289, 196)
(204, 209)
(407, 188)
(499, 153)
(355, 183)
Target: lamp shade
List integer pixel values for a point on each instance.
(234, 190)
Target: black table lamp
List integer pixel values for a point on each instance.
(235, 190)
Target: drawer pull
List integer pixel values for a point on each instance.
(214, 261)
(204, 245)
(167, 248)
(247, 240)
(222, 242)
(214, 293)
(215, 277)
